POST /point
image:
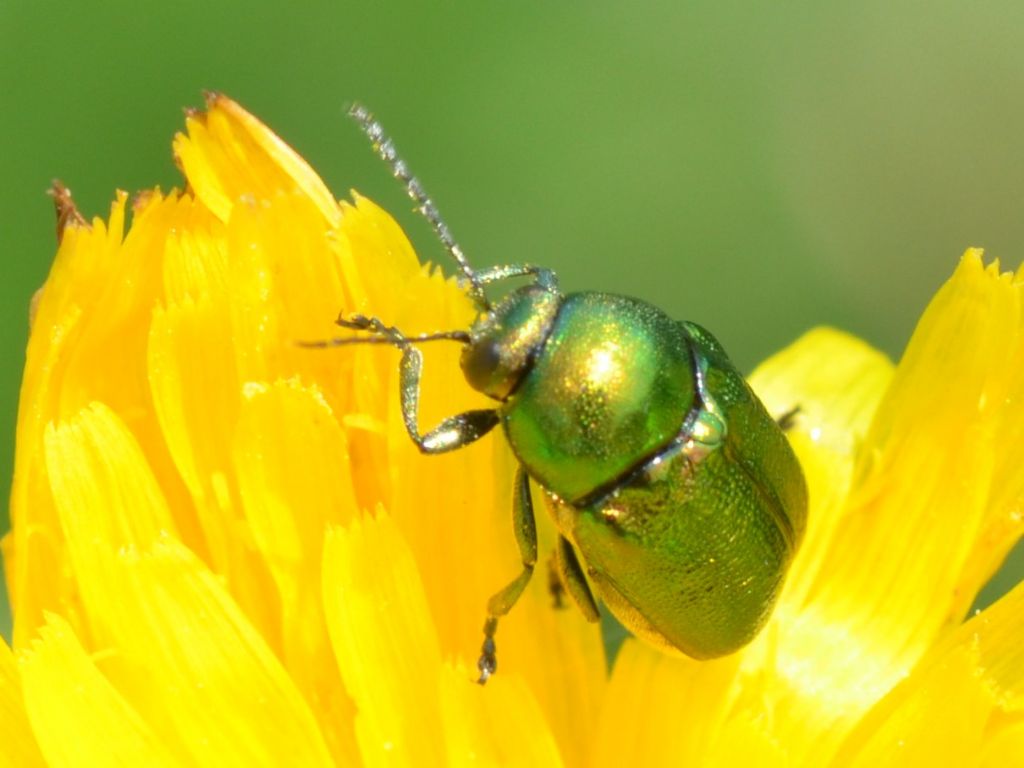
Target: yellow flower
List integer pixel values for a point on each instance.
(226, 551)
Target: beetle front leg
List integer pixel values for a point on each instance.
(452, 433)
(525, 528)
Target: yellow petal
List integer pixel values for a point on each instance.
(938, 465)
(412, 709)
(964, 700)
(384, 642)
(19, 743)
(385, 264)
(1003, 748)
(78, 717)
(292, 463)
(229, 154)
(186, 658)
(106, 498)
(835, 381)
(195, 399)
(923, 518)
(824, 659)
(196, 669)
(925, 484)
(101, 484)
(500, 724)
(58, 350)
(663, 710)
(195, 263)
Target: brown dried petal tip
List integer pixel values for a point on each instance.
(141, 199)
(67, 211)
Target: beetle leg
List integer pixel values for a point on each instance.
(545, 278)
(788, 420)
(525, 528)
(575, 582)
(526, 537)
(555, 586)
(452, 433)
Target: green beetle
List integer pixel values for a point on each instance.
(676, 494)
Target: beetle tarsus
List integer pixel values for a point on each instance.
(488, 662)
(788, 420)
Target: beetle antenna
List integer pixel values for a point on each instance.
(385, 148)
(380, 334)
(460, 336)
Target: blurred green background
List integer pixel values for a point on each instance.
(759, 168)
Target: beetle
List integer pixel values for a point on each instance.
(677, 497)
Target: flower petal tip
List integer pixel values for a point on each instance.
(67, 212)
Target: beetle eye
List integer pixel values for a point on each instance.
(480, 361)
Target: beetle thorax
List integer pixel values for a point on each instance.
(504, 342)
(611, 386)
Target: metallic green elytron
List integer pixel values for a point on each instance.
(676, 495)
